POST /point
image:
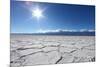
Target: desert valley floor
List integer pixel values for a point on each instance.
(28, 50)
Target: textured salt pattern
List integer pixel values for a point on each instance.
(39, 50)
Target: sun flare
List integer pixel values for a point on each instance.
(37, 13)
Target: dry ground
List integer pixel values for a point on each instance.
(39, 50)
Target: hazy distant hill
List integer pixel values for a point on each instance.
(85, 33)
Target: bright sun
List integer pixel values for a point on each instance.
(37, 13)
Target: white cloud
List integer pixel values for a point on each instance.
(70, 30)
(45, 31)
(83, 30)
(90, 30)
(64, 30)
(56, 30)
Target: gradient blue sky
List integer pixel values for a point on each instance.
(56, 16)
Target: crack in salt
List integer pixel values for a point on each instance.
(59, 60)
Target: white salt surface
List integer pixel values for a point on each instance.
(38, 50)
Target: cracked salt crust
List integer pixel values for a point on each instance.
(39, 50)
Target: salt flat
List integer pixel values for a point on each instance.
(40, 50)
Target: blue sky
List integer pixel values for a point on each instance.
(56, 17)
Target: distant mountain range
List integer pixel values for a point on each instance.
(85, 33)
